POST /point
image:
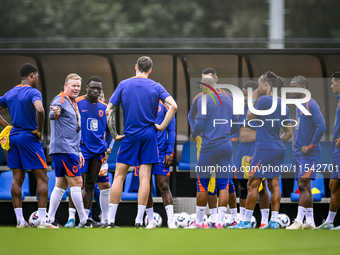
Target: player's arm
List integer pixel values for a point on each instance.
(256, 97)
(199, 127)
(192, 115)
(235, 129)
(40, 117)
(287, 128)
(110, 116)
(172, 106)
(3, 122)
(320, 129)
(168, 159)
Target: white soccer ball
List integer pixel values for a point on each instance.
(227, 220)
(156, 218)
(283, 220)
(253, 221)
(34, 219)
(193, 218)
(182, 220)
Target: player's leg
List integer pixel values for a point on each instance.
(56, 196)
(306, 202)
(90, 181)
(242, 185)
(264, 201)
(274, 188)
(42, 192)
(212, 203)
(104, 200)
(18, 180)
(223, 191)
(232, 202)
(334, 186)
(163, 184)
(149, 208)
(143, 191)
(116, 190)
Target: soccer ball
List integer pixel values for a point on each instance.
(182, 220)
(34, 219)
(157, 220)
(253, 221)
(227, 220)
(283, 220)
(193, 218)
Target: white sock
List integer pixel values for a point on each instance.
(233, 213)
(149, 213)
(242, 212)
(87, 212)
(248, 214)
(104, 199)
(18, 214)
(78, 203)
(213, 215)
(200, 211)
(140, 214)
(301, 214)
(264, 216)
(112, 212)
(274, 216)
(309, 215)
(169, 212)
(42, 215)
(330, 217)
(55, 199)
(221, 213)
(71, 213)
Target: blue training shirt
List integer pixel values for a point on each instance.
(268, 135)
(336, 130)
(213, 136)
(19, 101)
(93, 126)
(139, 98)
(166, 139)
(309, 129)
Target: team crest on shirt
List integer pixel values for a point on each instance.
(101, 113)
(92, 124)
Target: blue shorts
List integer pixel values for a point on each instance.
(243, 149)
(218, 159)
(139, 148)
(157, 169)
(231, 188)
(26, 152)
(88, 158)
(267, 163)
(336, 173)
(305, 166)
(66, 164)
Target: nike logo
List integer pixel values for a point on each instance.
(83, 110)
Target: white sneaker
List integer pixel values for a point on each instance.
(325, 225)
(47, 225)
(20, 225)
(295, 225)
(308, 225)
(151, 225)
(172, 225)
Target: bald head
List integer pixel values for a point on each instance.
(208, 80)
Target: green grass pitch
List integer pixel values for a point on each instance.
(165, 241)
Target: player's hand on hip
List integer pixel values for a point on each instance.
(81, 160)
(167, 160)
(56, 110)
(159, 128)
(119, 137)
(337, 144)
(304, 150)
(38, 134)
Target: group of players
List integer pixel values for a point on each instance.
(83, 132)
(260, 147)
(82, 129)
